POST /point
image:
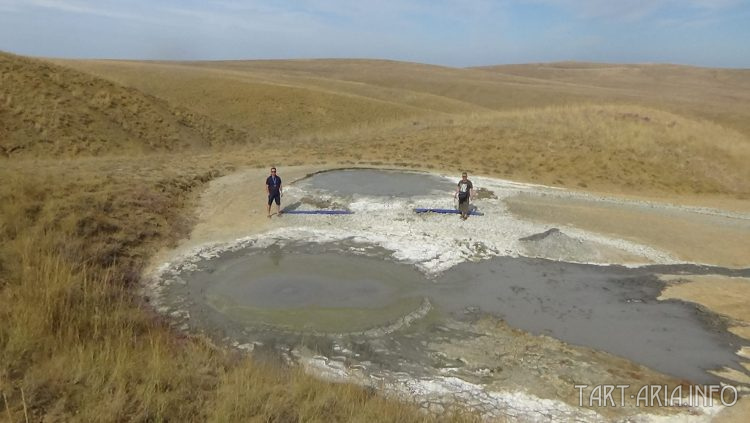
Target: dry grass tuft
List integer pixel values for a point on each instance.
(256, 389)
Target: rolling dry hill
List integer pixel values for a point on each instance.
(47, 109)
(624, 128)
(634, 128)
(285, 98)
(722, 95)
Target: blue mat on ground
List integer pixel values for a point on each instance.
(316, 212)
(446, 211)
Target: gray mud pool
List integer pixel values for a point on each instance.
(300, 294)
(370, 182)
(308, 292)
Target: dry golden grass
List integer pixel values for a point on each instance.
(75, 341)
(267, 106)
(626, 149)
(73, 336)
(721, 95)
(51, 110)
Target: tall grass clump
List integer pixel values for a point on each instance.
(75, 341)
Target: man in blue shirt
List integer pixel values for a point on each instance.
(273, 187)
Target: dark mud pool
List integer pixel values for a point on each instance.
(371, 182)
(292, 293)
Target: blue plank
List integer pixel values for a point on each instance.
(446, 211)
(317, 212)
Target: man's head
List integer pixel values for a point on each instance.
(273, 170)
(464, 176)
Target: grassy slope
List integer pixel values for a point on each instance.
(75, 233)
(270, 105)
(50, 110)
(626, 149)
(721, 95)
(718, 94)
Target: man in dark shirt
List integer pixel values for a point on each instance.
(273, 187)
(464, 192)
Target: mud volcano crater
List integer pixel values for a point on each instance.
(298, 289)
(287, 287)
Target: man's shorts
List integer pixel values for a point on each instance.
(464, 206)
(274, 197)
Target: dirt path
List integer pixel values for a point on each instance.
(233, 207)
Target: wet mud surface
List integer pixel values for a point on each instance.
(304, 290)
(370, 182)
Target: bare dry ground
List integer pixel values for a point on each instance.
(102, 161)
(691, 237)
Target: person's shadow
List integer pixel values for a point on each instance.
(293, 206)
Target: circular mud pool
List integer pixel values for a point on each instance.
(298, 291)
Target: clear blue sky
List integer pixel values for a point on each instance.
(447, 32)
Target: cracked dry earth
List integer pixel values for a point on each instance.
(507, 359)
